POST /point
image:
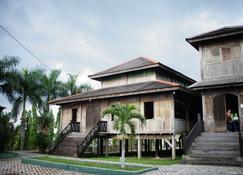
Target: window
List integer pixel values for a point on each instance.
(215, 55)
(226, 52)
(74, 114)
(230, 52)
(149, 110)
(180, 110)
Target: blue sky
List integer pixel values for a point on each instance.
(88, 36)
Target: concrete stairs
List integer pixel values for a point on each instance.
(215, 149)
(68, 147)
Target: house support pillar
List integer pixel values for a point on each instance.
(157, 148)
(139, 147)
(172, 145)
(106, 146)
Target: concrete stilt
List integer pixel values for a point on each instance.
(139, 147)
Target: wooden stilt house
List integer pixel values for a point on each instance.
(160, 93)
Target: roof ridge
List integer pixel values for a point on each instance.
(150, 59)
(167, 82)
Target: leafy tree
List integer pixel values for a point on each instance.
(28, 90)
(123, 116)
(73, 88)
(44, 132)
(33, 124)
(6, 129)
(8, 75)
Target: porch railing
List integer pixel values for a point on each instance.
(196, 131)
(71, 127)
(100, 126)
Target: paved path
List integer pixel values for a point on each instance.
(15, 167)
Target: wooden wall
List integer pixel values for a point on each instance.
(210, 109)
(163, 112)
(216, 63)
(66, 114)
(129, 78)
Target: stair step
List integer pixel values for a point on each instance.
(216, 163)
(219, 144)
(216, 147)
(208, 134)
(214, 152)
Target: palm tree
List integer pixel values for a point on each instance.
(123, 116)
(8, 74)
(28, 90)
(73, 88)
(52, 87)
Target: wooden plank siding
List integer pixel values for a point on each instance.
(214, 67)
(163, 122)
(132, 77)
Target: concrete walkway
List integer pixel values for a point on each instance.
(15, 167)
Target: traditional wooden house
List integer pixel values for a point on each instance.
(160, 93)
(221, 85)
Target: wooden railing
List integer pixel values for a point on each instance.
(71, 127)
(100, 126)
(196, 131)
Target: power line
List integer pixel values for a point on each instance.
(23, 46)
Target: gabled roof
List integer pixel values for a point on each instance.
(136, 64)
(118, 91)
(221, 33)
(224, 82)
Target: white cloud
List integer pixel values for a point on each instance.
(202, 22)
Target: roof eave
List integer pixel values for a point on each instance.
(167, 89)
(99, 76)
(194, 41)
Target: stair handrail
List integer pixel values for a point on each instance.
(196, 131)
(100, 126)
(71, 127)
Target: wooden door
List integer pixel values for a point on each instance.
(93, 114)
(219, 113)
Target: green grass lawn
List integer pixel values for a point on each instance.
(90, 164)
(143, 160)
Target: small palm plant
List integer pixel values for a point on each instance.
(123, 115)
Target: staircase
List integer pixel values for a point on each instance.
(214, 149)
(72, 143)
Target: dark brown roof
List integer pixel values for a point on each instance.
(221, 33)
(230, 81)
(116, 91)
(140, 63)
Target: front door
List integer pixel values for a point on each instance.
(221, 104)
(219, 113)
(93, 114)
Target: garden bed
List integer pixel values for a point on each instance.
(142, 160)
(87, 166)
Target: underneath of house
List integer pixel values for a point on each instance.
(176, 107)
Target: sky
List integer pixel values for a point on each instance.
(86, 37)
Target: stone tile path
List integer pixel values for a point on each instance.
(15, 167)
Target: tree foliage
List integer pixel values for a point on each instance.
(33, 87)
(6, 130)
(124, 114)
